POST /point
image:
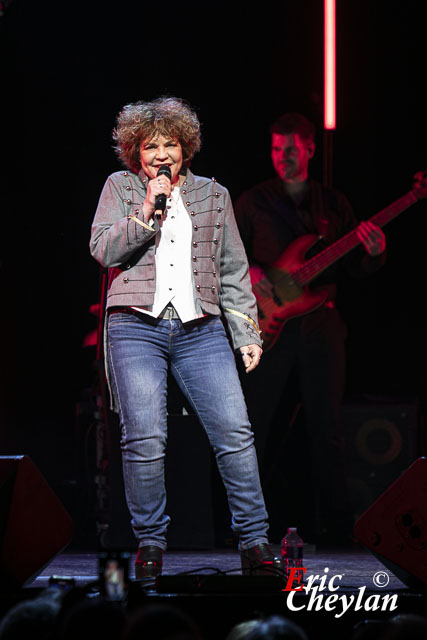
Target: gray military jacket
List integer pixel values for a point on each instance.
(123, 242)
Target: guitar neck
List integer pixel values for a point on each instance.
(316, 265)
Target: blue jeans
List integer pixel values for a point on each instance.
(141, 349)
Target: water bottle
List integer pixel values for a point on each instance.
(292, 552)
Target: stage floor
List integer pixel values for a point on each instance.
(362, 588)
(357, 568)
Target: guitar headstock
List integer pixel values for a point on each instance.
(420, 184)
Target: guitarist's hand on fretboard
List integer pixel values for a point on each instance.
(372, 237)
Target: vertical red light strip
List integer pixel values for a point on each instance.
(329, 116)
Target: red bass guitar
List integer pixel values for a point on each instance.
(291, 274)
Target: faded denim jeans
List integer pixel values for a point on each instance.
(141, 350)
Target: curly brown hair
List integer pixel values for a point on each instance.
(168, 116)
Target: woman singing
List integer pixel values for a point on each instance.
(175, 269)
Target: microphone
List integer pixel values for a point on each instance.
(160, 204)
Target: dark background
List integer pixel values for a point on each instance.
(68, 68)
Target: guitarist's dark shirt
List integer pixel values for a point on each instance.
(269, 221)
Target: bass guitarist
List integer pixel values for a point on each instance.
(271, 217)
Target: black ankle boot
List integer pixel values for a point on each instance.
(260, 560)
(148, 563)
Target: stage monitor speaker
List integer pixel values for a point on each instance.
(34, 526)
(381, 442)
(394, 528)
